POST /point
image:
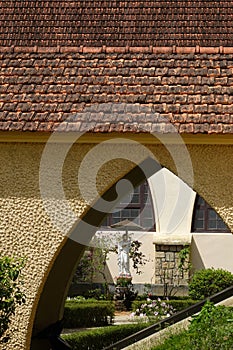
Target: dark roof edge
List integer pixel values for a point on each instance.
(117, 49)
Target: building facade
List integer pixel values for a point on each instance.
(96, 92)
(172, 217)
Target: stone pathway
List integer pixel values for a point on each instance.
(123, 317)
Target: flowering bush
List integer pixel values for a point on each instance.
(123, 281)
(156, 309)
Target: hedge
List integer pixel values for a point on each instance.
(207, 282)
(79, 314)
(177, 304)
(99, 338)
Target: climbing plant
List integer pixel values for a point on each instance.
(184, 262)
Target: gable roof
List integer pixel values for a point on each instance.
(85, 62)
(116, 22)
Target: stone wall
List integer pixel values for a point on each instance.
(167, 272)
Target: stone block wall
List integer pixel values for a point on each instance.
(167, 272)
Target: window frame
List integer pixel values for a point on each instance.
(205, 207)
(143, 189)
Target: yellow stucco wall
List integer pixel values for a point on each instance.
(213, 176)
(27, 231)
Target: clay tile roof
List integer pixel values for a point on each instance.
(106, 92)
(116, 22)
(116, 66)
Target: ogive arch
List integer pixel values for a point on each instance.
(50, 305)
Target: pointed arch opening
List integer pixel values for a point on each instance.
(206, 219)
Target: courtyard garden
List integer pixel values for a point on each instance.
(91, 321)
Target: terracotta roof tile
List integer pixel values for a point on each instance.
(115, 91)
(118, 23)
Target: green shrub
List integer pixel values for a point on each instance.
(210, 329)
(179, 305)
(137, 303)
(90, 313)
(97, 294)
(209, 281)
(11, 294)
(99, 338)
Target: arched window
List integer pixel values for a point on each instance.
(136, 206)
(205, 218)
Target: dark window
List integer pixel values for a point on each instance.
(135, 206)
(205, 218)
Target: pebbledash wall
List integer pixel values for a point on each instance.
(27, 230)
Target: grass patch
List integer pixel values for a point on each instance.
(175, 342)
